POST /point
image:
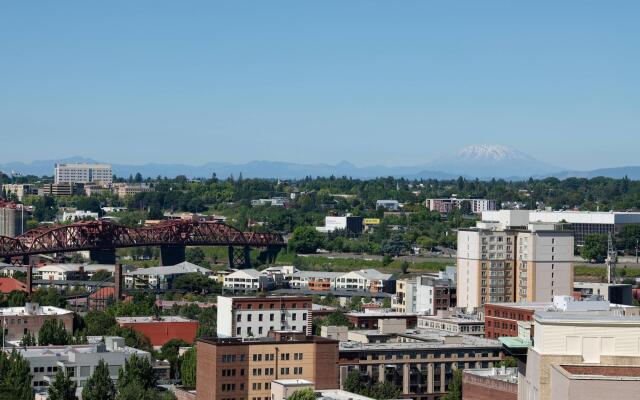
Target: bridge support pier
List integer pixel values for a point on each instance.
(269, 255)
(239, 257)
(172, 255)
(103, 256)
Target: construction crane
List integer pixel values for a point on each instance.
(610, 262)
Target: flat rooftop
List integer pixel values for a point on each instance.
(376, 313)
(24, 311)
(601, 371)
(420, 339)
(337, 394)
(501, 374)
(452, 319)
(152, 320)
(585, 317)
(293, 382)
(293, 338)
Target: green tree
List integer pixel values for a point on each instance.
(594, 248)
(303, 394)
(404, 267)
(353, 382)
(99, 386)
(169, 352)
(454, 390)
(195, 255)
(15, 377)
(395, 246)
(62, 388)
(193, 282)
(305, 240)
(386, 302)
(28, 340)
(101, 275)
(16, 298)
(628, 238)
(98, 323)
(137, 370)
(508, 362)
(53, 332)
(384, 390)
(188, 364)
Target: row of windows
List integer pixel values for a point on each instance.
(271, 306)
(227, 358)
(41, 369)
(250, 332)
(294, 317)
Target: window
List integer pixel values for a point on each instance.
(238, 331)
(238, 317)
(284, 356)
(85, 371)
(304, 316)
(271, 317)
(260, 330)
(249, 317)
(293, 316)
(259, 317)
(284, 371)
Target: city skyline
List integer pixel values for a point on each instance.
(368, 83)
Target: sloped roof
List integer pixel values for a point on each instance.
(8, 285)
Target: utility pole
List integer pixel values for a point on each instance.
(611, 260)
(636, 251)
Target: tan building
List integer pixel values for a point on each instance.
(123, 190)
(17, 321)
(404, 300)
(585, 382)
(244, 368)
(503, 261)
(577, 339)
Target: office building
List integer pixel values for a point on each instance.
(510, 260)
(161, 329)
(445, 206)
(490, 384)
(579, 339)
(257, 316)
(83, 173)
(420, 362)
(123, 190)
(60, 189)
(370, 318)
(389, 205)
(233, 368)
(19, 190)
(581, 223)
(78, 361)
(404, 300)
(435, 293)
(13, 219)
(18, 321)
(349, 224)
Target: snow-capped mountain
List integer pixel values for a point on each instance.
(491, 160)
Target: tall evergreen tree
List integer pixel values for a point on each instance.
(137, 370)
(53, 332)
(99, 386)
(188, 363)
(15, 377)
(62, 388)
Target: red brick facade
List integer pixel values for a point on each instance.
(501, 320)
(160, 332)
(475, 387)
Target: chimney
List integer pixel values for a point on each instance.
(30, 277)
(117, 278)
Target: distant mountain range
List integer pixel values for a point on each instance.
(481, 161)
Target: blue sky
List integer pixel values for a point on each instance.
(394, 83)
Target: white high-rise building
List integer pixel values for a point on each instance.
(83, 173)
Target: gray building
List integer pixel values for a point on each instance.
(12, 219)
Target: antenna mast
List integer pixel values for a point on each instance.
(612, 257)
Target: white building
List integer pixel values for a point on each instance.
(314, 280)
(79, 361)
(256, 316)
(246, 280)
(582, 223)
(161, 277)
(476, 206)
(508, 259)
(78, 215)
(389, 205)
(577, 339)
(347, 223)
(60, 272)
(83, 173)
(368, 280)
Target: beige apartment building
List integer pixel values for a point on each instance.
(511, 260)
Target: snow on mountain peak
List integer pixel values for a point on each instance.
(493, 152)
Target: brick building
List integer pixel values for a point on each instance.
(490, 384)
(233, 368)
(256, 316)
(17, 321)
(501, 319)
(162, 329)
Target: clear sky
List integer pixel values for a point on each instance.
(371, 82)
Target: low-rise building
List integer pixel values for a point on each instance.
(123, 190)
(247, 280)
(588, 382)
(420, 362)
(79, 215)
(455, 323)
(78, 361)
(161, 329)
(445, 206)
(404, 300)
(314, 280)
(161, 277)
(434, 294)
(60, 272)
(368, 280)
(348, 223)
(257, 316)
(490, 384)
(389, 205)
(616, 293)
(233, 368)
(18, 321)
(8, 285)
(19, 190)
(370, 319)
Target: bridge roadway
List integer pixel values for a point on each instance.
(101, 238)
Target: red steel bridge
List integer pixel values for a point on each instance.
(101, 238)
